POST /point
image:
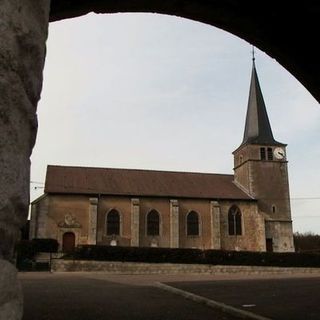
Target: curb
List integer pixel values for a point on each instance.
(211, 303)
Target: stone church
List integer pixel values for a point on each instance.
(249, 210)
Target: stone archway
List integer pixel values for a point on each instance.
(271, 26)
(286, 31)
(24, 27)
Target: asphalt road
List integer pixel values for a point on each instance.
(278, 299)
(76, 297)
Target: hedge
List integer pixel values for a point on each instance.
(31, 247)
(136, 254)
(27, 249)
(45, 245)
(189, 256)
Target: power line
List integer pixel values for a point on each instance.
(305, 198)
(36, 182)
(308, 217)
(91, 191)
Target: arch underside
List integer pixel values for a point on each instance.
(286, 32)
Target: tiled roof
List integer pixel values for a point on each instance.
(132, 182)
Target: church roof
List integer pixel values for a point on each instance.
(257, 129)
(132, 182)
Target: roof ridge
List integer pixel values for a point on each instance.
(238, 185)
(145, 170)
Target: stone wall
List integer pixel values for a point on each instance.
(213, 222)
(59, 265)
(39, 218)
(203, 209)
(123, 206)
(253, 228)
(68, 214)
(281, 234)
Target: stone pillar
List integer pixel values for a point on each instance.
(93, 218)
(23, 33)
(11, 300)
(215, 225)
(24, 25)
(174, 224)
(135, 214)
(41, 221)
(33, 222)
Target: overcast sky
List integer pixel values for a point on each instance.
(159, 92)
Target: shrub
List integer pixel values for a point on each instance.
(135, 254)
(188, 256)
(27, 249)
(306, 242)
(262, 258)
(45, 245)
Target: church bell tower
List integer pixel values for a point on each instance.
(260, 169)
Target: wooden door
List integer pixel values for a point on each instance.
(68, 242)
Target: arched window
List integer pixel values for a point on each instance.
(153, 223)
(192, 224)
(113, 222)
(234, 221)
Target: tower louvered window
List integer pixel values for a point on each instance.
(263, 153)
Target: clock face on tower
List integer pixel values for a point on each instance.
(279, 153)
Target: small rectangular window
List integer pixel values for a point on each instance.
(262, 153)
(270, 154)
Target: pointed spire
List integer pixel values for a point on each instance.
(257, 129)
(253, 57)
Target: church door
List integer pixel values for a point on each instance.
(68, 242)
(269, 245)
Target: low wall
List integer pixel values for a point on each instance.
(59, 265)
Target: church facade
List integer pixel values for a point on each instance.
(249, 210)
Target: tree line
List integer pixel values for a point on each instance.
(306, 242)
